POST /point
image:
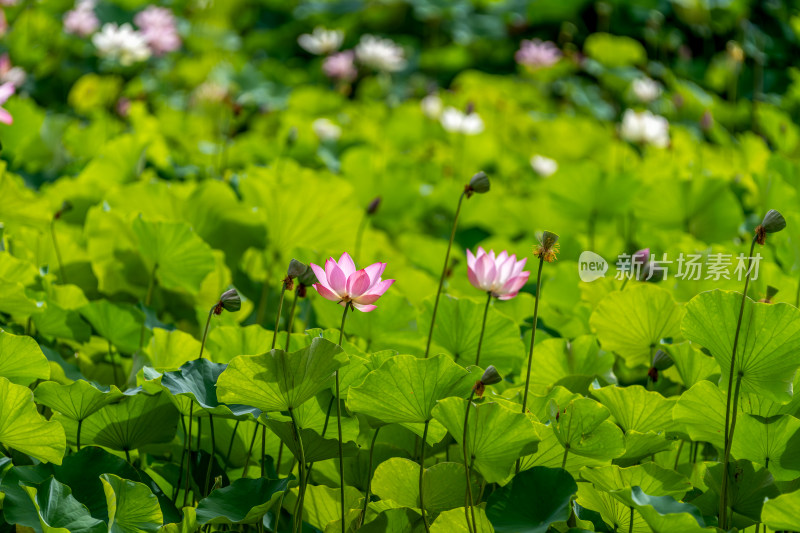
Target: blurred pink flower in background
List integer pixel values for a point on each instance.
(157, 24)
(8, 2)
(6, 90)
(81, 20)
(502, 275)
(537, 53)
(10, 73)
(3, 23)
(342, 283)
(340, 66)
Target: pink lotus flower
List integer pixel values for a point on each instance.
(537, 53)
(342, 283)
(6, 90)
(340, 66)
(501, 275)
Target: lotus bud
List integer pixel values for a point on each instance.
(662, 360)
(66, 206)
(307, 278)
(491, 376)
(771, 292)
(773, 223)
(470, 109)
(291, 137)
(229, 301)
(478, 184)
(547, 247)
(373, 206)
(296, 269)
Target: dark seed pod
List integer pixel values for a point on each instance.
(373, 206)
(491, 376)
(773, 221)
(307, 278)
(662, 360)
(478, 184)
(230, 301)
(296, 269)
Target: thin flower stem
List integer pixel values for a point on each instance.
(230, 444)
(188, 439)
(369, 476)
(290, 325)
(339, 422)
(114, 364)
(58, 252)
(278, 316)
(444, 272)
(205, 333)
(533, 341)
(728, 429)
(177, 487)
(298, 516)
(80, 422)
(469, 511)
(564, 457)
(483, 328)
(630, 525)
(250, 451)
(264, 451)
(421, 472)
(727, 457)
(211, 457)
(678, 456)
(324, 431)
(147, 300)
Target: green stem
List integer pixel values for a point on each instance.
(205, 333)
(727, 457)
(564, 458)
(147, 300)
(230, 444)
(58, 252)
(444, 272)
(189, 454)
(290, 325)
(80, 422)
(728, 436)
(113, 363)
(678, 456)
(177, 487)
(369, 476)
(483, 328)
(533, 341)
(278, 460)
(421, 472)
(324, 431)
(250, 451)
(298, 517)
(339, 422)
(211, 457)
(630, 526)
(264, 451)
(278, 316)
(128, 456)
(469, 511)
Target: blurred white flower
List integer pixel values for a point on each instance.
(456, 121)
(326, 130)
(645, 128)
(159, 29)
(121, 43)
(321, 41)
(645, 89)
(380, 54)
(210, 92)
(11, 74)
(432, 106)
(81, 20)
(544, 166)
(537, 53)
(340, 66)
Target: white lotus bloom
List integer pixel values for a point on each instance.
(326, 130)
(431, 106)
(321, 42)
(645, 89)
(544, 166)
(645, 128)
(380, 54)
(456, 121)
(121, 43)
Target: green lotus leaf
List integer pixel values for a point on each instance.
(538, 403)
(616, 515)
(748, 489)
(120, 324)
(770, 335)
(321, 504)
(226, 342)
(771, 442)
(665, 515)
(16, 301)
(196, 383)
(691, 364)
(21, 360)
(245, 501)
(782, 512)
(77, 400)
(559, 359)
(444, 484)
(455, 521)
(523, 507)
(651, 478)
(399, 520)
(496, 436)
(457, 332)
(55, 321)
(168, 350)
(133, 422)
(633, 322)
(24, 429)
(279, 381)
(180, 257)
(132, 507)
(188, 524)
(639, 445)
(16, 270)
(700, 412)
(405, 388)
(550, 453)
(583, 428)
(59, 511)
(315, 447)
